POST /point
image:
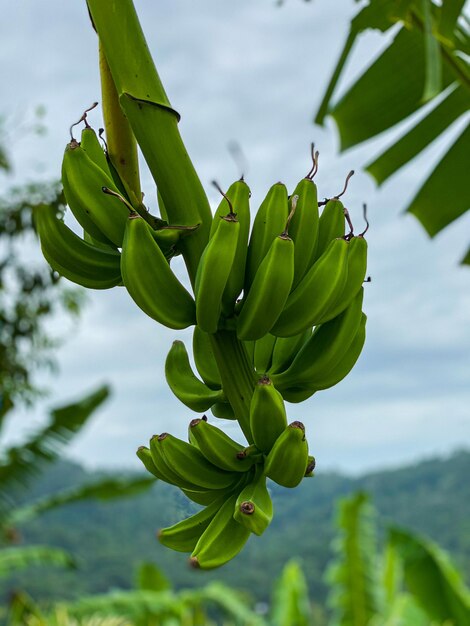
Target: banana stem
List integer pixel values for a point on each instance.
(153, 121)
(121, 143)
(238, 378)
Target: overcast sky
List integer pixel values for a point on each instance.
(252, 72)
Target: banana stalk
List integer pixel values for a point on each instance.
(237, 375)
(153, 121)
(121, 143)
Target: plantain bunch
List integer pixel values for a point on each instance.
(289, 296)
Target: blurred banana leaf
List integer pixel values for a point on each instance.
(151, 578)
(353, 576)
(18, 558)
(290, 602)
(405, 612)
(426, 62)
(105, 489)
(431, 579)
(233, 603)
(22, 462)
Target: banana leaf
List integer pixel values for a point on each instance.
(445, 195)
(23, 462)
(105, 489)
(233, 603)
(353, 576)
(151, 578)
(290, 603)
(428, 55)
(405, 612)
(431, 579)
(18, 558)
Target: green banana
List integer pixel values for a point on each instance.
(311, 463)
(222, 540)
(254, 507)
(184, 384)
(206, 496)
(218, 448)
(250, 351)
(145, 456)
(316, 293)
(268, 223)
(295, 395)
(71, 256)
(239, 195)
(326, 347)
(268, 417)
(357, 267)
(332, 376)
(102, 215)
(90, 143)
(213, 271)
(287, 461)
(342, 369)
(263, 353)
(223, 410)
(285, 350)
(269, 290)
(204, 358)
(164, 471)
(330, 226)
(191, 465)
(150, 281)
(304, 227)
(184, 535)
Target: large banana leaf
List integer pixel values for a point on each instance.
(18, 558)
(23, 462)
(290, 602)
(105, 489)
(431, 579)
(426, 61)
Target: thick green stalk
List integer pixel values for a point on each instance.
(238, 377)
(121, 143)
(153, 121)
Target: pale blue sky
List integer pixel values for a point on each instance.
(253, 72)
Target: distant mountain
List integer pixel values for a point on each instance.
(109, 539)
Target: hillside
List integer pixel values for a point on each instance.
(109, 539)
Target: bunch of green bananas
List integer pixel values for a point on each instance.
(277, 316)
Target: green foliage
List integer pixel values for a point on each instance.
(426, 62)
(23, 461)
(17, 558)
(151, 578)
(354, 595)
(105, 489)
(290, 602)
(430, 577)
(431, 498)
(30, 294)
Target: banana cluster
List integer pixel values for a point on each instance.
(288, 291)
(121, 244)
(228, 479)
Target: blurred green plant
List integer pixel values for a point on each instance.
(30, 293)
(423, 76)
(411, 584)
